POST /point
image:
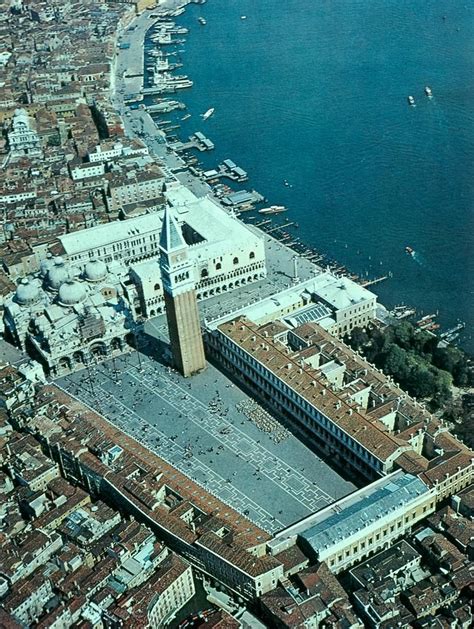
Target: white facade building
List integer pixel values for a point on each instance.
(23, 139)
(335, 303)
(360, 524)
(109, 152)
(86, 170)
(171, 594)
(134, 187)
(225, 252)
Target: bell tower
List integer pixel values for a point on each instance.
(177, 273)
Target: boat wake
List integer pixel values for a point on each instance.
(418, 259)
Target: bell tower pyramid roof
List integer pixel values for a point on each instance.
(171, 238)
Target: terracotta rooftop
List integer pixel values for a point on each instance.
(307, 383)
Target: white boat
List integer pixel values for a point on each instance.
(428, 92)
(208, 113)
(273, 209)
(202, 21)
(411, 101)
(243, 17)
(186, 117)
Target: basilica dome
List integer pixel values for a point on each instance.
(71, 293)
(46, 265)
(27, 293)
(95, 271)
(57, 274)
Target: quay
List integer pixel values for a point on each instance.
(131, 61)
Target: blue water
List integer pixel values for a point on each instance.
(314, 92)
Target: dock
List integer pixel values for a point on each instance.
(165, 107)
(242, 199)
(227, 170)
(196, 141)
(376, 280)
(277, 227)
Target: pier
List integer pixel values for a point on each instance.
(377, 280)
(165, 107)
(277, 227)
(227, 170)
(243, 199)
(196, 141)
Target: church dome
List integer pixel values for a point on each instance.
(27, 293)
(71, 293)
(20, 119)
(95, 271)
(46, 265)
(57, 274)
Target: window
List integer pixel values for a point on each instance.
(236, 260)
(218, 266)
(252, 255)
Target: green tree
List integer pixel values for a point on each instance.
(403, 334)
(424, 342)
(395, 363)
(421, 382)
(358, 338)
(442, 384)
(447, 358)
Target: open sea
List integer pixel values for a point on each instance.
(314, 93)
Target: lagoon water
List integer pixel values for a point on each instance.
(314, 92)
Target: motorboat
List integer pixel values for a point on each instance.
(208, 113)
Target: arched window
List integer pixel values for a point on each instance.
(236, 260)
(252, 255)
(218, 266)
(204, 273)
(157, 287)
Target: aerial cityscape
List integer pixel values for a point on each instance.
(211, 415)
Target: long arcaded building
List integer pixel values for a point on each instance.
(349, 410)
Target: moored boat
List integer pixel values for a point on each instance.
(273, 209)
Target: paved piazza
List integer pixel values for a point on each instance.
(204, 428)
